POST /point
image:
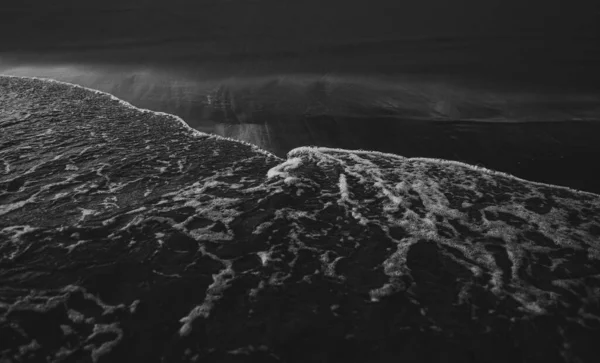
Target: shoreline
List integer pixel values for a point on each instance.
(301, 148)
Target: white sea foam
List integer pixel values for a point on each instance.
(369, 177)
(143, 110)
(282, 169)
(374, 194)
(294, 153)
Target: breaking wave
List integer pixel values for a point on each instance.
(117, 220)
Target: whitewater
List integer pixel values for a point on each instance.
(117, 221)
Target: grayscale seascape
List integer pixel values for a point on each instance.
(285, 181)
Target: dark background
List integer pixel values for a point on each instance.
(30, 23)
(540, 44)
(535, 58)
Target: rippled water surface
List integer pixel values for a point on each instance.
(218, 204)
(115, 221)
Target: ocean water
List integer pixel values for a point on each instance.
(125, 234)
(544, 135)
(455, 80)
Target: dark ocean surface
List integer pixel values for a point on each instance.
(538, 135)
(508, 85)
(127, 236)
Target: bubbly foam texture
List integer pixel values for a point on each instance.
(129, 105)
(81, 312)
(430, 196)
(93, 181)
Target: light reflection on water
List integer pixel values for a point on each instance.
(152, 89)
(506, 131)
(282, 111)
(256, 134)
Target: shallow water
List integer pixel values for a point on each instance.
(542, 135)
(133, 236)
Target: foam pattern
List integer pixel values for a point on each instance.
(130, 235)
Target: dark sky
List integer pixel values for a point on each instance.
(29, 23)
(550, 43)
